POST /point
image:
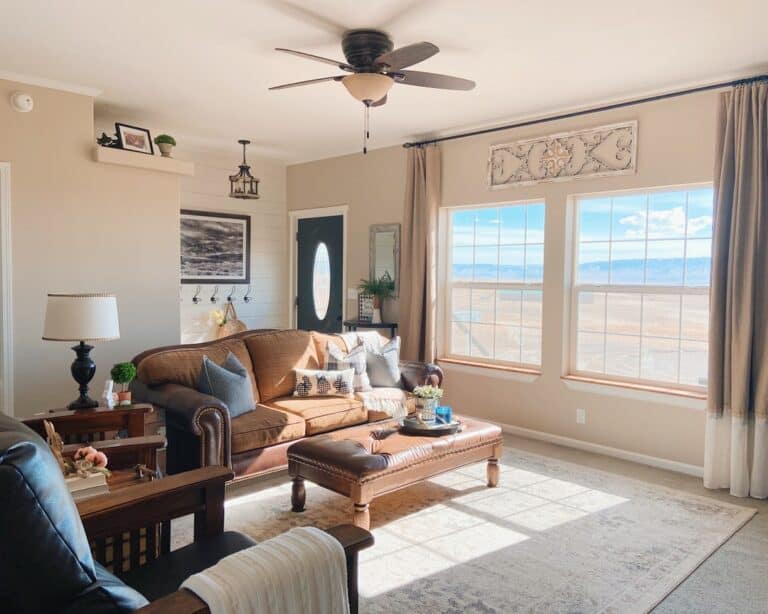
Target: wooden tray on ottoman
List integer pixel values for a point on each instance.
(371, 460)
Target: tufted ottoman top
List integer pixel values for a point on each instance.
(369, 451)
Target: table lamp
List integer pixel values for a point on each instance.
(81, 317)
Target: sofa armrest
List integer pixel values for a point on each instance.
(199, 492)
(413, 373)
(199, 414)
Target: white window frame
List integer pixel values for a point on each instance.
(576, 288)
(445, 258)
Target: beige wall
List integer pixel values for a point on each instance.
(372, 185)
(208, 191)
(675, 146)
(78, 225)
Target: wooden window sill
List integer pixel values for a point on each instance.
(678, 392)
(485, 365)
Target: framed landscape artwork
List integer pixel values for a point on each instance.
(215, 247)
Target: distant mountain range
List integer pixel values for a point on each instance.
(662, 271)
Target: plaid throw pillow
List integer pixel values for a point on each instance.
(337, 360)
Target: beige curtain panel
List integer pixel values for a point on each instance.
(418, 285)
(736, 445)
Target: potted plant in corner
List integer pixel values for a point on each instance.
(166, 143)
(123, 373)
(380, 289)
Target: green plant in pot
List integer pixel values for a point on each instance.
(166, 143)
(123, 373)
(380, 289)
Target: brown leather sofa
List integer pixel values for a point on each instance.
(200, 430)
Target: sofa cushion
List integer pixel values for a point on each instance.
(323, 414)
(276, 355)
(321, 344)
(182, 365)
(383, 403)
(265, 426)
(230, 383)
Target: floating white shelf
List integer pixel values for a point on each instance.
(110, 155)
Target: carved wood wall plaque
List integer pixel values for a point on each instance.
(595, 152)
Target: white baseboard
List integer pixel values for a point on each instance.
(635, 457)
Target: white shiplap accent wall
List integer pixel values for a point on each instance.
(207, 191)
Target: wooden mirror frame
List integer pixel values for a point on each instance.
(374, 230)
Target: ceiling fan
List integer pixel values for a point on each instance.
(375, 66)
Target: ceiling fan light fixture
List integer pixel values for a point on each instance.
(368, 87)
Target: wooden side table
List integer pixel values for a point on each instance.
(99, 424)
(353, 325)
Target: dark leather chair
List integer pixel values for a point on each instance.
(47, 565)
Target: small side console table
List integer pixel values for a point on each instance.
(353, 325)
(78, 425)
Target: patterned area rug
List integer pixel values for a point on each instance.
(553, 537)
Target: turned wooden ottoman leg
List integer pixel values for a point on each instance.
(362, 516)
(298, 495)
(493, 472)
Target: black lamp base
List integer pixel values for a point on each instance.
(83, 370)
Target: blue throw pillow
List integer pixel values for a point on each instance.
(229, 383)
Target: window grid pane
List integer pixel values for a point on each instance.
(646, 258)
(492, 245)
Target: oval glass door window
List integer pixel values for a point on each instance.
(321, 281)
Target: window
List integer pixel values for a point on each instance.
(494, 284)
(640, 304)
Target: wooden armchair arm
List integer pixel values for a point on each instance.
(199, 492)
(125, 453)
(352, 538)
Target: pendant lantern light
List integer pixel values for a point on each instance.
(242, 184)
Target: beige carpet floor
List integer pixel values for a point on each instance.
(553, 537)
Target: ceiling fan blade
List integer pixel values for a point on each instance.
(307, 16)
(317, 58)
(430, 79)
(407, 56)
(307, 82)
(381, 102)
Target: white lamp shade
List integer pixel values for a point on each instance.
(366, 86)
(81, 317)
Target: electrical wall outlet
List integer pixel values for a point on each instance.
(351, 294)
(581, 416)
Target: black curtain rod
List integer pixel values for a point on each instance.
(609, 107)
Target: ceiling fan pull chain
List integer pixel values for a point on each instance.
(366, 127)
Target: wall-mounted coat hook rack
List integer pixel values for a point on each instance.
(215, 295)
(196, 298)
(231, 295)
(247, 296)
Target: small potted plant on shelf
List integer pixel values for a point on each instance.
(166, 143)
(123, 373)
(426, 400)
(380, 289)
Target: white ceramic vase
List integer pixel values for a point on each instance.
(165, 149)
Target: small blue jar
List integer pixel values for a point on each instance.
(444, 414)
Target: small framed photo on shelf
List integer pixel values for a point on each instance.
(133, 138)
(365, 307)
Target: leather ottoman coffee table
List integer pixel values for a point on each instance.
(371, 460)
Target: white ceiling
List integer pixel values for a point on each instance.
(201, 69)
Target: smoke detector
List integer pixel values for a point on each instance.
(22, 102)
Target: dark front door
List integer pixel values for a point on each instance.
(320, 296)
